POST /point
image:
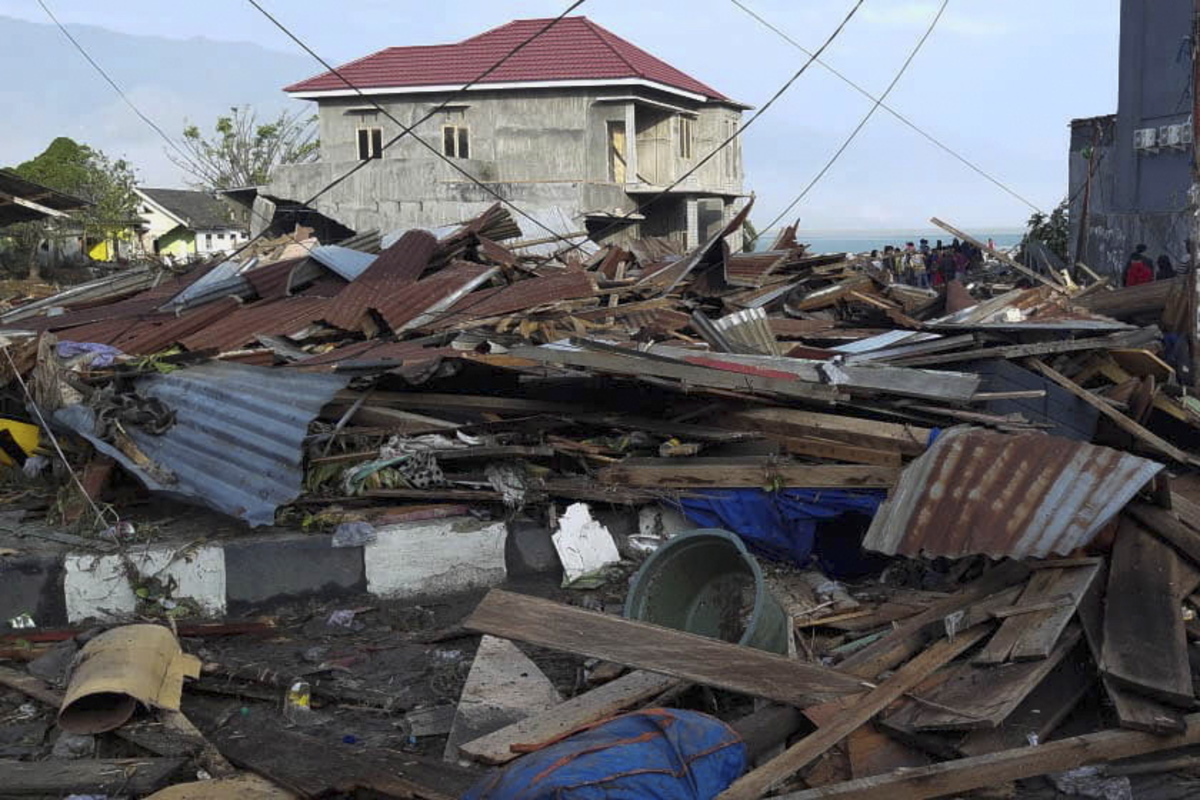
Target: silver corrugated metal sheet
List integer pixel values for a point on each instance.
(236, 445)
(749, 329)
(884, 340)
(346, 262)
(976, 492)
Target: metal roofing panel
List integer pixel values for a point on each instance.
(978, 492)
(749, 329)
(271, 317)
(885, 340)
(569, 284)
(389, 278)
(344, 261)
(429, 301)
(236, 445)
(210, 280)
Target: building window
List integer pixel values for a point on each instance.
(370, 143)
(220, 237)
(685, 137)
(208, 241)
(456, 141)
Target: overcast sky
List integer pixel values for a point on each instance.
(997, 81)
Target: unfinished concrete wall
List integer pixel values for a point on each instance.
(546, 150)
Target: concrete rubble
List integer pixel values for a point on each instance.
(971, 511)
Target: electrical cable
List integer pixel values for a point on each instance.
(146, 119)
(930, 137)
(862, 123)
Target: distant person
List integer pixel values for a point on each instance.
(1139, 269)
(1140, 260)
(1166, 270)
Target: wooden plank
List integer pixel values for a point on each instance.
(1146, 437)
(873, 752)
(837, 451)
(1016, 351)
(909, 637)
(792, 423)
(759, 781)
(1032, 635)
(539, 730)
(59, 777)
(1141, 363)
(651, 647)
(1007, 259)
(1146, 582)
(1041, 712)
(750, 472)
(1134, 711)
(311, 768)
(1168, 527)
(977, 697)
(966, 774)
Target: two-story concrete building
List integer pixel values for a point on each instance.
(1131, 173)
(577, 128)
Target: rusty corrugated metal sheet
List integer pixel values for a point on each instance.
(395, 270)
(270, 281)
(976, 492)
(154, 335)
(749, 270)
(272, 317)
(570, 284)
(428, 301)
(373, 351)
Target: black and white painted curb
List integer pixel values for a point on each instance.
(413, 559)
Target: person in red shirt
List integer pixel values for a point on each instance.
(1139, 272)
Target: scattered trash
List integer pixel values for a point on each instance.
(71, 745)
(297, 703)
(342, 618)
(21, 622)
(584, 546)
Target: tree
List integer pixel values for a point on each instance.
(242, 152)
(87, 173)
(1054, 230)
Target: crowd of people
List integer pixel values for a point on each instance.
(1140, 269)
(928, 266)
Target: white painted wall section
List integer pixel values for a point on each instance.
(434, 557)
(99, 586)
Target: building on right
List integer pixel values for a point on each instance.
(1131, 173)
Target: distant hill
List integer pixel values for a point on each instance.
(49, 90)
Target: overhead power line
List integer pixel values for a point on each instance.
(928, 136)
(409, 130)
(862, 123)
(146, 119)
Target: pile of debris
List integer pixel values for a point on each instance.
(991, 477)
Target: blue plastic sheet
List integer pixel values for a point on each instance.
(655, 754)
(781, 525)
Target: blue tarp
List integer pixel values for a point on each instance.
(654, 754)
(781, 525)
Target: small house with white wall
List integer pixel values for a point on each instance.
(185, 224)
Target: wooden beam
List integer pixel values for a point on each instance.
(651, 647)
(751, 472)
(981, 697)
(1012, 351)
(1150, 579)
(793, 423)
(910, 636)
(1012, 262)
(837, 451)
(1032, 635)
(1134, 711)
(540, 730)
(59, 777)
(759, 781)
(966, 774)
(1146, 437)
(32, 206)
(1168, 527)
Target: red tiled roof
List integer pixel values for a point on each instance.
(574, 48)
